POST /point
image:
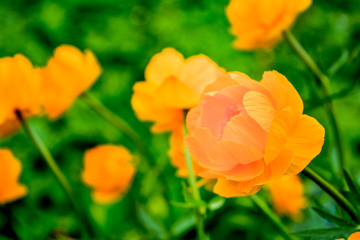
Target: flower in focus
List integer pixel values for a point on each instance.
(247, 133)
(287, 195)
(108, 170)
(172, 84)
(259, 24)
(10, 169)
(354, 236)
(68, 74)
(20, 86)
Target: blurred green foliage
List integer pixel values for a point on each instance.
(124, 35)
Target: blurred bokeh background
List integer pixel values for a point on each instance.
(124, 35)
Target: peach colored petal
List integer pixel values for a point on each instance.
(233, 153)
(174, 93)
(260, 108)
(228, 188)
(242, 129)
(306, 141)
(244, 172)
(199, 71)
(163, 65)
(193, 117)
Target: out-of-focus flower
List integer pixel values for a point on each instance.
(247, 133)
(109, 171)
(68, 74)
(20, 86)
(287, 195)
(171, 85)
(177, 154)
(260, 23)
(354, 236)
(10, 169)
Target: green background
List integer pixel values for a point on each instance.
(124, 35)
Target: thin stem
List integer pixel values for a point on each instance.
(115, 120)
(333, 192)
(60, 177)
(325, 83)
(199, 211)
(271, 215)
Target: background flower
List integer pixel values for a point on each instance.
(259, 24)
(108, 170)
(10, 169)
(67, 75)
(247, 133)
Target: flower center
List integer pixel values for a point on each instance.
(230, 111)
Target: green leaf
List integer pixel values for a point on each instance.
(352, 186)
(183, 225)
(325, 234)
(216, 203)
(332, 218)
(153, 226)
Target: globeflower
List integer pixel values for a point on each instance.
(67, 75)
(260, 23)
(354, 236)
(172, 84)
(287, 196)
(247, 133)
(20, 87)
(10, 169)
(109, 171)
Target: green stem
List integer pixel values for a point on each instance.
(199, 211)
(271, 215)
(333, 192)
(324, 81)
(60, 177)
(116, 121)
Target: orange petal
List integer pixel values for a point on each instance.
(242, 129)
(306, 141)
(163, 65)
(174, 93)
(227, 188)
(106, 197)
(260, 108)
(198, 72)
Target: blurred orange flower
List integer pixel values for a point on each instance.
(108, 170)
(354, 236)
(20, 86)
(67, 75)
(287, 195)
(260, 23)
(10, 169)
(171, 85)
(247, 133)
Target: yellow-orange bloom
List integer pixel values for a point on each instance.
(10, 169)
(171, 85)
(354, 236)
(247, 133)
(108, 170)
(287, 195)
(20, 86)
(67, 74)
(260, 23)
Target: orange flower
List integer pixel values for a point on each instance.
(20, 86)
(10, 169)
(287, 195)
(67, 74)
(108, 170)
(171, 85)
(247, 133)
(354, 236)
(260, 23)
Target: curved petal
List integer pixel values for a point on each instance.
(104, 197)
(227, 188)
(306, 142)
(164, 64)
(260, 108)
